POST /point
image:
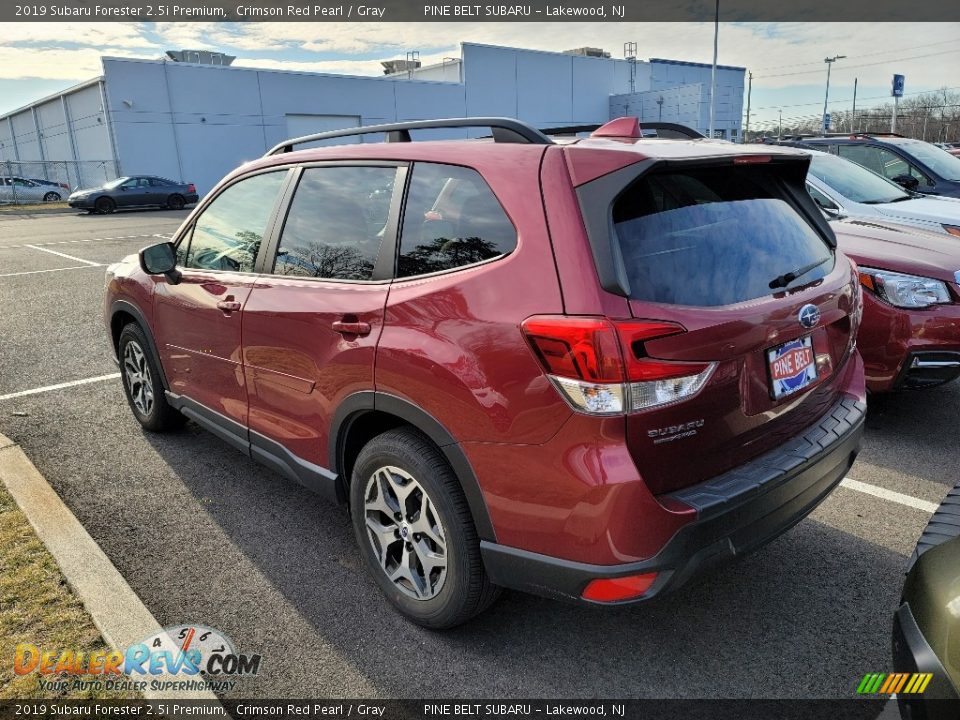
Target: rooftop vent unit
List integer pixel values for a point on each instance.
(201, 57)
(391, 67)
(588, 52)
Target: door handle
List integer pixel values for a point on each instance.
(229, 306)
(350, 328)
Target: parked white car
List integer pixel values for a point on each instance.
(844, 189)
(21, 190)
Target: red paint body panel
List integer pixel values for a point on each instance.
(578, 496)
(889, 334)
(199, 344)
(740, 418)
(298, 368)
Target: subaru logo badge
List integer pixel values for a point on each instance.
(809, 316)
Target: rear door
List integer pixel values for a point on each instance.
(197, 321)
(311, 325)
(725, 252)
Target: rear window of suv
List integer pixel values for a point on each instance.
(712, 236)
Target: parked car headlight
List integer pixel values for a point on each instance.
(906, 291)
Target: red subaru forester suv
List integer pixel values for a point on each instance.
(583, 368)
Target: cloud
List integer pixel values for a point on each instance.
(56, 63)
(95, 35)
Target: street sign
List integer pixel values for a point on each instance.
(897, 90)
(826, 121)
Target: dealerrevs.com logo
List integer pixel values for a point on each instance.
(183, 657)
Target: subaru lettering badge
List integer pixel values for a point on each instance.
(809, 316)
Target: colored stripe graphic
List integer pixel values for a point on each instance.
(894, 683)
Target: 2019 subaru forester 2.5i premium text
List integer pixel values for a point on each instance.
(582, 368)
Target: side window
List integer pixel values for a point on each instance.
(336, 223)
(820, 199)
(894, 165)
(452, 219)
(228, 233)
(864, 155)
(157, 182)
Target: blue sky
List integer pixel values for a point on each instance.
(786, 58)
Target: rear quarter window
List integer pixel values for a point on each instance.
(712, 236)
(452, 219)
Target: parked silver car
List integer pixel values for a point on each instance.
(22, 190)
(844, 189)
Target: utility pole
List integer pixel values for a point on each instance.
(713, 71)
(749, 90)
(853, 115)
(829, 61)
(780, 126)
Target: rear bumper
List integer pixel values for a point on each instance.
(737, 512)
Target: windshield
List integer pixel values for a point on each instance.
(115, 183)
(855, 181)
(940, 161)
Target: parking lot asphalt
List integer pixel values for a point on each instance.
(205, 535)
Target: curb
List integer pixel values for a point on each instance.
(117, 611)
(38, 211)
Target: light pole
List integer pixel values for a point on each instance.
(780, 125)
(829, 61)
(713, 71)
(660, 103)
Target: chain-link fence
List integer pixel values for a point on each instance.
(25, 183)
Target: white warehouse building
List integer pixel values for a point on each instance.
(195, 121)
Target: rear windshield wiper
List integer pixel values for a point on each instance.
(787, 278)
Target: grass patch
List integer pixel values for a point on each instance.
(38, 607)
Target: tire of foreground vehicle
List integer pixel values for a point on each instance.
(415, 532)
(141, 383)
(105, 205)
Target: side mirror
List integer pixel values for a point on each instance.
(160, 259)
(907, 181)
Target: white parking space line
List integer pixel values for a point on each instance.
(64, 255)
(36, 272)
(889, 495)
(59, 386)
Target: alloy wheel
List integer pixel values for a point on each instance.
(405, 533)
(139, 381)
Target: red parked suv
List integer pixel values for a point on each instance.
(583, 368)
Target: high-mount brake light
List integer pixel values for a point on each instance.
(601, 366)
(751, 159)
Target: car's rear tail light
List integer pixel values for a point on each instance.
(64, 186)
(616, 589)
(191, 188)
(601, 367)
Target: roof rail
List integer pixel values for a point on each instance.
(504, 130)
(644, 127)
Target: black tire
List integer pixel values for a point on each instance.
(176, 202)
(105, 205)
(465, 589)
(134, 352)
(52, 197)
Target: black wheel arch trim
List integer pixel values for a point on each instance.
(358, 404)
(128, 307)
